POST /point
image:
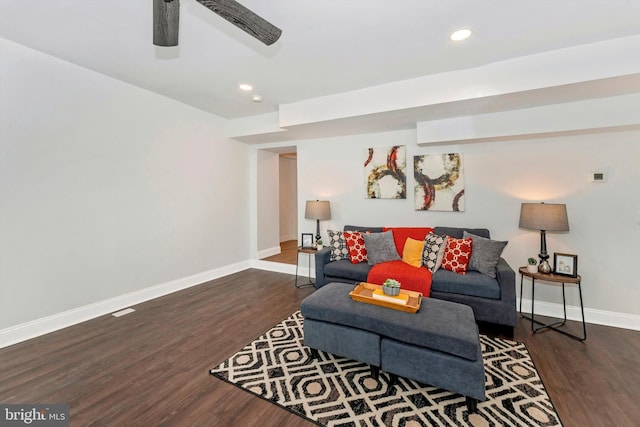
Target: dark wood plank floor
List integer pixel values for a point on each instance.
(150, 367)
(288, 253)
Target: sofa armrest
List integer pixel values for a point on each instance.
(506, 277)
(323, 257)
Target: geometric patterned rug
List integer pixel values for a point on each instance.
(334, 391)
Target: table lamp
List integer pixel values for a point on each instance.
(318, 210)
(544, 217)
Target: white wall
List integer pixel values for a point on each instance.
(288, 199)
(107, 189)
(499, 176)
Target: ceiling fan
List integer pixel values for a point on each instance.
(166, 16)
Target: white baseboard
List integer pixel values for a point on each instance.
(278, 267)
(269, 252)
(304, 273)
(288, 237)
(45, 325)
(591, 315)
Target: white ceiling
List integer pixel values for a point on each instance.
(327, 46)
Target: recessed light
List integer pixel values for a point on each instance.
(246, 87)
(460, 35)
(257, 98)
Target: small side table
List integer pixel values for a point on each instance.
(310, 252)
(557, 278)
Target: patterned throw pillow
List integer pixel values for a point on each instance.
(337, 246)
(433, 251)
(355, 244)
(457, 254)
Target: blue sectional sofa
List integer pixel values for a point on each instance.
(492, 300)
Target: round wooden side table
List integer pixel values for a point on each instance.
(556, 278)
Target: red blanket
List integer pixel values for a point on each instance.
(400, 235)
(411, 278)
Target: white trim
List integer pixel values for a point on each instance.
(269, 252)
(591, 315)
(304, 273)
(303, 270)
(278, 267)
(288, 237)
(45, 325)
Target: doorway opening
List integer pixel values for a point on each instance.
(278, 205)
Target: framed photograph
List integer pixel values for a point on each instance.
(565, 264)
(307, 240)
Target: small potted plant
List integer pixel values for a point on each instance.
(319, 244)
(531, 265)
(391, 287)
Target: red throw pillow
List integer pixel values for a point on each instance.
(457, 254)
(355, 244)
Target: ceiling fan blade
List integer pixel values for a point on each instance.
(244, 19)
(166, 18)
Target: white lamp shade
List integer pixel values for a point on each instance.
(317, 209)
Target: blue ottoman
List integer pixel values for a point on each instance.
(439, 345)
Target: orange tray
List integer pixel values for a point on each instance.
(363, 293)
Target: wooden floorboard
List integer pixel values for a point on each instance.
(288, 253)
(151, 367)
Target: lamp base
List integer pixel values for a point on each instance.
(544, 267)
(318, 237)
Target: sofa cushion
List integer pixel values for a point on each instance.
(457, 254)
(485, 255)
(433, 251)
(457, 232)
(338, 246)
(380, 247)
(355, 244)
(417, 279)
(400, 235)
(344, 269)
(472, 284)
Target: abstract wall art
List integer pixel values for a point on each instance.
(439, 182)
(385, 172)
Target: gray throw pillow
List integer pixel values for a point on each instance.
(485, 254)
(380, 247)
